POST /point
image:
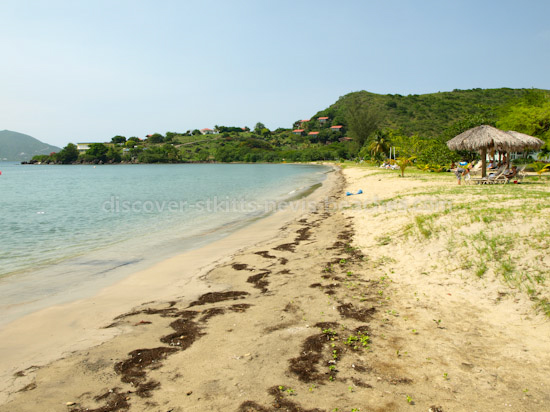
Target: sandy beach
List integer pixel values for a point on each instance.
(414, 295)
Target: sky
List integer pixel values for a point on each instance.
(85, 71)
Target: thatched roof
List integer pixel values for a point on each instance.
(485, 137)
(529, 142)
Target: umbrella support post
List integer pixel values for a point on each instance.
(483, 162)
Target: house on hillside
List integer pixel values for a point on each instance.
(336, 128)
(82, 147)
(303, 122)
(323, 120)
(207, 131)
(314, 134)
(298, 132)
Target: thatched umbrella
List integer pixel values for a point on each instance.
(529, 142)
(483, 138)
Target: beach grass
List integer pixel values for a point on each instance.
(498, 232)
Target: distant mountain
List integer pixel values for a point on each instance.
(18, 146)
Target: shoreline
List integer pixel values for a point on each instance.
(62, 275)
(356, 308)
(81, 324)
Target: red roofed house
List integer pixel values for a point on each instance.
(323, 119)
(302, 122)
(207, 131)
(313, 133)
(298, 132)
(345, 139)
(336, 128)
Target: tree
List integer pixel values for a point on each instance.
(170, 136)
(113, 154)
(68, 154)
(155, 138)
(531, 120)
(380, 143)
(97, 151)
(540, 168)
(362, 122)
(259, 127)
(118, 139)
(403, 162)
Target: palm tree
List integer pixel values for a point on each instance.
(540, 168)
(380, 143)
(403, 162)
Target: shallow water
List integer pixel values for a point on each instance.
(75, 228)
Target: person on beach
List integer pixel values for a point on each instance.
(511, 173)
(460, 172)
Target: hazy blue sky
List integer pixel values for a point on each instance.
(75, 71)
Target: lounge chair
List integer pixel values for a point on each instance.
(476, 168)
(491, 178)
(518, 177)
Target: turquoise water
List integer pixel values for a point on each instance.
(58, 220)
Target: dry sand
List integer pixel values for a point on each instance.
(345, 308)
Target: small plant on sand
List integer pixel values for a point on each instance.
(410, 400)
(383, 240)
(543, 305)
(437, 322)
(289, 391)
(540, 168)
(403, 163)
(360, 339)
(446, 376)
(329, 332)
(481, 268)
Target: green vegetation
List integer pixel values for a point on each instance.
(359, 125)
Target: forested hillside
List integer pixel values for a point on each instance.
(429, 115)
(359, 125)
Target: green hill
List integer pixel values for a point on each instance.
(428, 115)
(19, 147)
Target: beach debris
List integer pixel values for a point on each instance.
(351, 194)
(213, 297)
(265, 254)
(70, 403)
(142, 322)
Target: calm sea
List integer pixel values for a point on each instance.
(65, 227)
